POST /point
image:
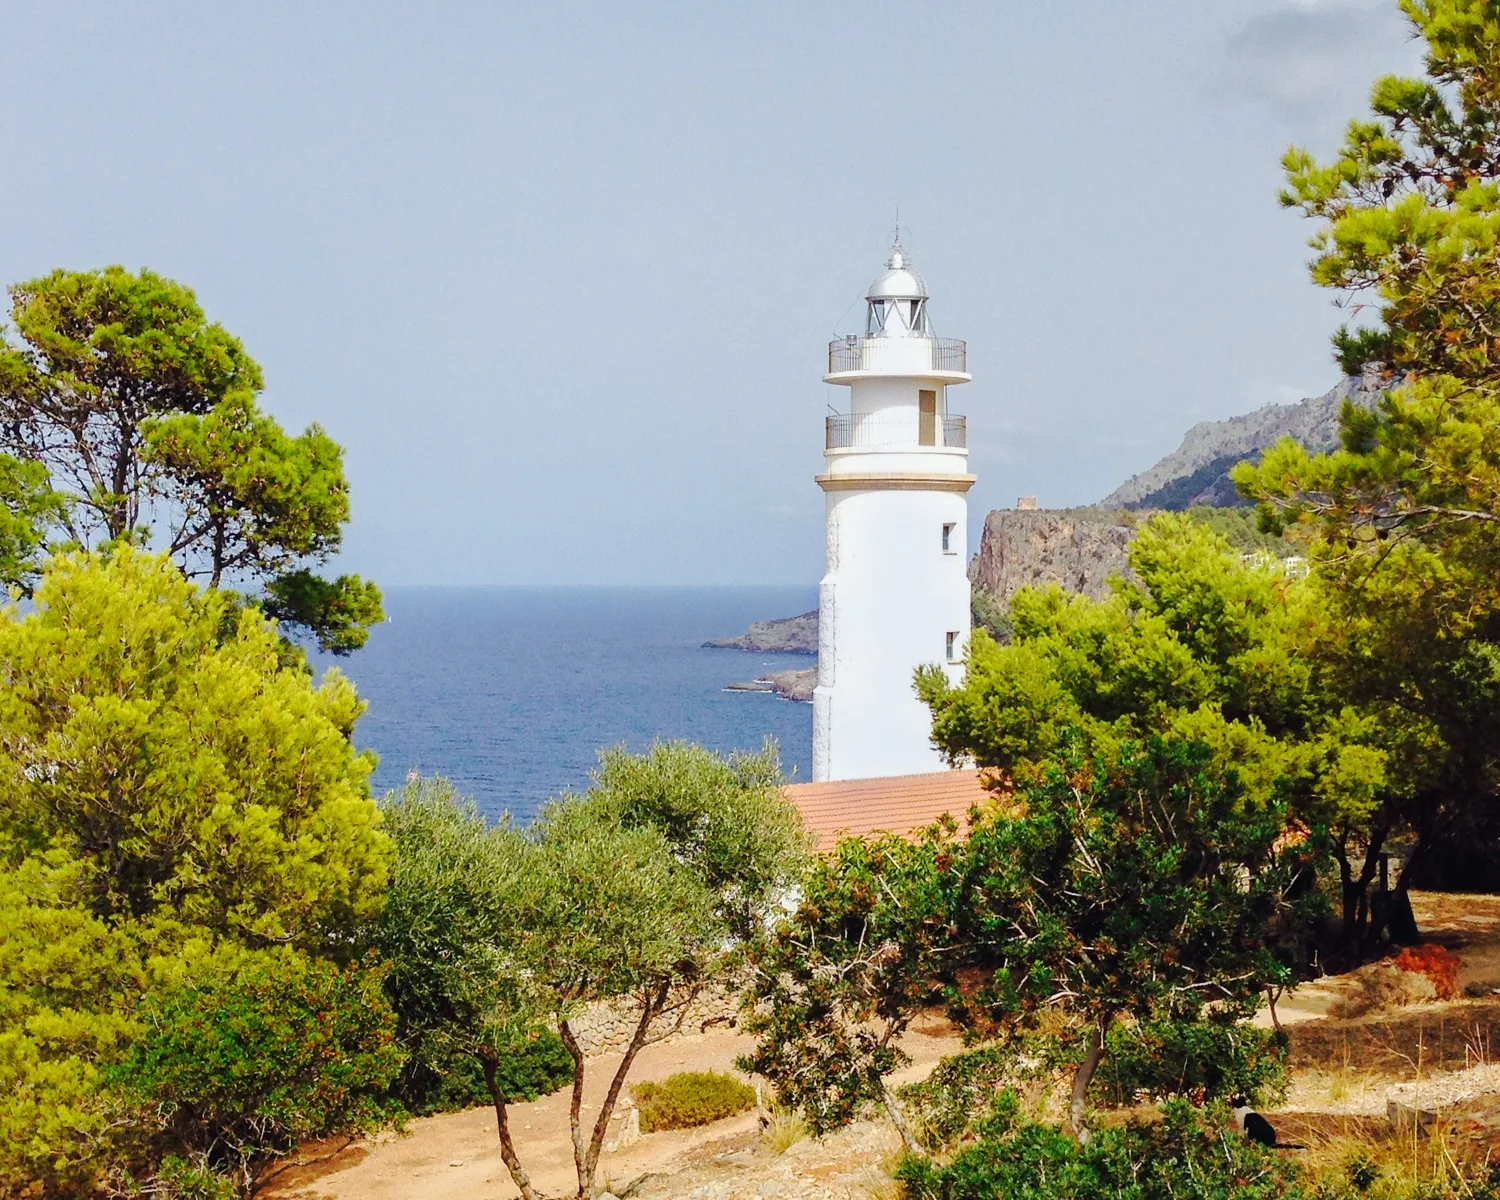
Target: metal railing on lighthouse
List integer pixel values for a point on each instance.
(861, 352)
(850, 431)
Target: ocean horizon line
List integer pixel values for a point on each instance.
(623, 587)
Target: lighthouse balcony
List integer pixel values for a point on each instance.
(896, 431)
(881, 354)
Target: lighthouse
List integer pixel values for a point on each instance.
(895, 595)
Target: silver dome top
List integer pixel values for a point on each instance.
(898, 281)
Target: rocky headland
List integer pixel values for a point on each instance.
(1080, 548)
(785, 635)
(789, 685)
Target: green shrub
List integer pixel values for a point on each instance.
(1186, 1156)
(1206, 1059)
(255, 1051)
(957, 1094)
(179, 1179)
(990, 612)
(438, 1078)
(68, 988)
(1210, 1060)
(691, 1098)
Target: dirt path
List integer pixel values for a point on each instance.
(456, 1156)
(1469, 925)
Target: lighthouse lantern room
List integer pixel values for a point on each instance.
(896, 592)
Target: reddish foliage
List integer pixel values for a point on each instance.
(1435, 962)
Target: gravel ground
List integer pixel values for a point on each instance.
(1364, 1094)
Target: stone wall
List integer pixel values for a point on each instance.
(601, 1028)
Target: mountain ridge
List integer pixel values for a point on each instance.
(1197, 472)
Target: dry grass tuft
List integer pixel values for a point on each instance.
(1344, 1083)
(1370, 1156)
(784, 1130)
(887, 1186)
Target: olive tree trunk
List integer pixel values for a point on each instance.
(1084, 1076)
(586, 1153)
(507, 1146)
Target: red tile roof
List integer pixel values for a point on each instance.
(902, 804)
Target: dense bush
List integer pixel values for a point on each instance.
(691, 1098)
(944, 1106)
(257, 1050)
(1205, 1059)
(1186, 1156)
(1139, 886)
(164, 743)
(187, 845)
(68, 986)
(438, 1080)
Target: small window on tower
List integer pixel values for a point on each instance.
(948, 538)
(953, 646)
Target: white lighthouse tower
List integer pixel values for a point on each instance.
(896, 592)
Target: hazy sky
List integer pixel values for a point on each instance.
(561, 277)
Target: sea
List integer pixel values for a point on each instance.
(511, 692)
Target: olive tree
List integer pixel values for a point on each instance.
(444, 933)
(634, 893)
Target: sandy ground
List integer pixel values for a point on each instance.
(1468, 925)
(456, 1156)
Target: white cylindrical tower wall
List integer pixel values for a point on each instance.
(887, 605)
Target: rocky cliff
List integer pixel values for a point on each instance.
(1078, 548)
(1197, 472)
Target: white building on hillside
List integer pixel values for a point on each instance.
(896, 592)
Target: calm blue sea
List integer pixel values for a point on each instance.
(510, 692)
